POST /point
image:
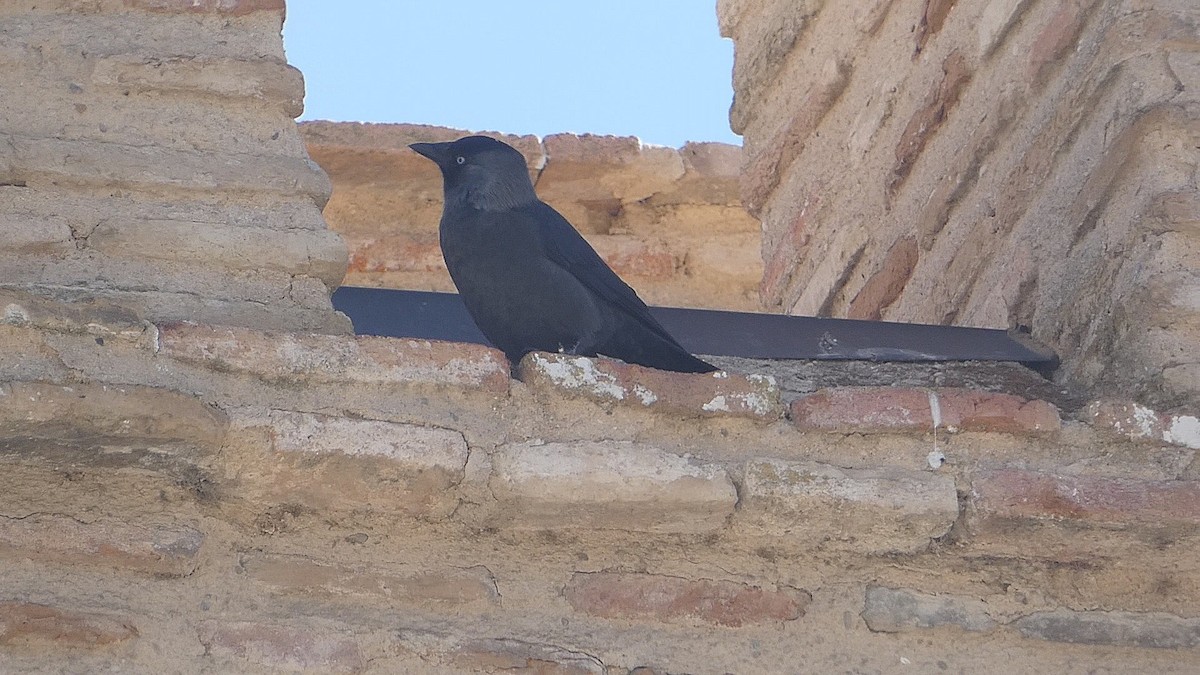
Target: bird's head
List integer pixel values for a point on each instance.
(481, 172)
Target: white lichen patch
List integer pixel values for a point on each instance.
(644, 395)
(15, 314)
(1184, 430)
(580, 373)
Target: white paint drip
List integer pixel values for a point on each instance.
(936, 458)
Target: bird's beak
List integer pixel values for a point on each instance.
(438, 152)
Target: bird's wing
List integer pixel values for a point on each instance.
(570, 251)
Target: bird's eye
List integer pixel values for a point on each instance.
(460, 159)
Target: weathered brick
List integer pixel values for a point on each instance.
(518, 656)
(1138, 422)
(282, 647)
(320, 254)
(885, 286)
(767, 162)
(897, 610)
(630, 256)
(325, 358)
(932, 19)
(1152, 629)
(445, 588)
(95, 316)
(233, 7)
(37, 625)
(815, 505)
(899, 409)
(665, 598)
(609, 381)
(1016, 494)
(622, 486)
(108, 411)
(1059, 34)
(326, 462)
(159, 550)
(929, 117)
(269, 81)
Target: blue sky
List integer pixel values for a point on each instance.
(655, 69)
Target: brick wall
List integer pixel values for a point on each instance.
(669, 221)
(229, 495)
(980, 163)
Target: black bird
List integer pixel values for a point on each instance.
(528, 279)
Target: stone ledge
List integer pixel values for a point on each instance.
(607, 381)
(279, 357)
(899, 409)
(621, 486)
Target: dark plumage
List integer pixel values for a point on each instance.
(528, 279)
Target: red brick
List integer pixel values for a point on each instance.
(609, 381)
(1019, 494)
(882, 289)
(664, 598)
(930, 116)
(28, 624)
(898, 409)
(932, 20)
(282, 647)
(767, 162)
(160, 550)
(234, 7)
(330, 358)
(1058, 36)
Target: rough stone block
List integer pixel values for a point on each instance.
(110, 412)
(614, 382)
(900, 410)
(615, 595)
(166, 550)
(1126, 629)
(25, 624)
(341, 463)
(614, 485)
(320, 254)
(267, 81)
(82, 163)
(446, 588)
(898, 610)
(93, 316)
(25, 235)
(280, 357)
(820, 506)
(282, 647)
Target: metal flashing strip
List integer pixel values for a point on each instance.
(442, 316)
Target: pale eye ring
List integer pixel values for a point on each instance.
(461, 160)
